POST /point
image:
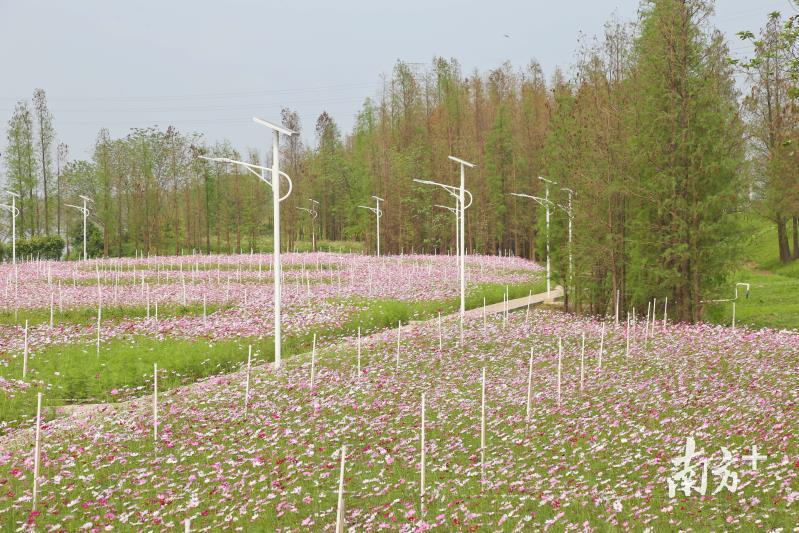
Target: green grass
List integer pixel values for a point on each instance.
(774, 296)
(76, 374)
(87, 315)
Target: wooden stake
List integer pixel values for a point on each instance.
(99, 317)
(422, 484)
(483, 430)
(627, 352)
(582, 364)
(313, 361)
(155, 402)
(529, 386)
(37, 451)
(399, 335)
(340, 506)
(560, 365)
(440, 337)
(601, 345)
(25, 353)
(359, 351)
(665, 312)
(247, 381)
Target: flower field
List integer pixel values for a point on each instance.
(209, 307)
(598, 459)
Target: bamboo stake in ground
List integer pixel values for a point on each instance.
(399, 336)
(665, 312)
(422, 484)
(155, 402)
(187, 525)
(440, 336)
(560, 366)
(340, 506)
(601, 345)
(654, 316)
(582, 363)
(247, 380)
(313, 361)
(529, 386)
(37, 449)
(359, 351)
(99, 317)
(627, 349)
(483, 431)
(25, 353)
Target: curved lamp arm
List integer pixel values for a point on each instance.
(13, 210)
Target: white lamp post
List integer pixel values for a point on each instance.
(570, 215)
(546, 198)
(276, 199)
(14, 214)
(546, 202)
(460, 211)
(378, 214)
(314, 214)
(463, 164)
(85, 210)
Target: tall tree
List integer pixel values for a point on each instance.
(688, 157)
(45, 137)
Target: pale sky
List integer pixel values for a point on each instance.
(210, 66)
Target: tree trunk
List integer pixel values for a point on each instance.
(782, 238)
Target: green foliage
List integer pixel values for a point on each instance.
(48, 247)
(94, 240)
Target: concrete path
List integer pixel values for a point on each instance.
(517, 303)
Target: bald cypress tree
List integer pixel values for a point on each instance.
(687, 144)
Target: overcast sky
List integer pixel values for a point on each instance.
(209, 66)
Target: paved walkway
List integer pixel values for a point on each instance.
(517, 303)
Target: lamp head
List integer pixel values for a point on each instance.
(461, 161)
(275, 127)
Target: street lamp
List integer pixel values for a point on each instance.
(459, 193)
(14, 214)
(85, 211)
(313, 214)
(378, 215)
(260, 172)
(461, 199)
(457, 225)
(571, 216)
(546, 202)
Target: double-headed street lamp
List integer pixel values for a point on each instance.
(314, 214)
(14, 210)
(85, 210)
(274, 182)
(459, 193)
(378, 215)
(546, 203)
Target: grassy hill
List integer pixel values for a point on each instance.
(774, 297)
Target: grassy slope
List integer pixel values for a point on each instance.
(774, 298)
